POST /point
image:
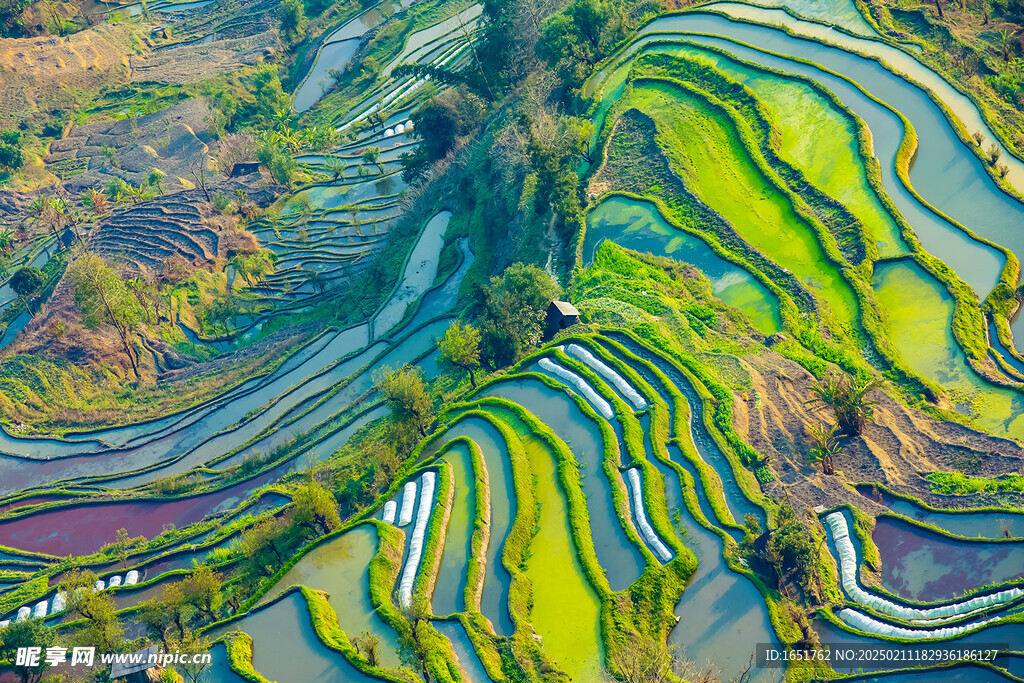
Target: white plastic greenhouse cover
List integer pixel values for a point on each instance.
(100, 585)
(848, 570)
(131, 578)
(114, 581)
(863, 622)
(40, 610)
(412, 563)
(390, 508)
(23, 614)
(580, 385)
(5, 623)
(408, 503)
(609, 374)
(60, 601)
(641, 517)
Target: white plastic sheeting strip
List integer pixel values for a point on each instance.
(863, 622)
(617, 380)
(60, 601)
(848, 571)
(646, 530)
(5, 623)
(580, 385)
(390, 508)
(39, 611)
(23, 614)
(412, 563)
(114, 582)
(100, 585)
(408, 503)
(131, 578)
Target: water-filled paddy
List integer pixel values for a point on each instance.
(919, 564)
(620, 559)
(970, 524)
(638, 225)
(449, 592)
(820, 141)
(464, 652)
(566, 610)
(285, 627)
(920, 314)
(494, 603)
(945, 172)
(716, 166)
(339, 567)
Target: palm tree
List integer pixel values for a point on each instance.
(826, 446)
(6, 241)
(1005, 39)
(99, 202)
(847, 397)
(336, 165)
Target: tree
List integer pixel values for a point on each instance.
(293, 20)
(371, 155)
(194, 668)
(793, 552)
(28, 633)
(27, 281)
(369, 645)
(104, 630)
(103, 298)
(156, 180)
(198, 166)
(439, 122)
(515, 307)
(235, 148)
(202, 589)
(576, 38)
(271, 98)
(315, 509)
(123, 545)
(261, 539)
(460, 348)
(11, 157)
(825, 446)
(335, 165)
(847, 397)
(406, 395)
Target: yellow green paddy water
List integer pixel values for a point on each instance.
(817, 139)
(566, 610)
(715, 165)
(920, 314)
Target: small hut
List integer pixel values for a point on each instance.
(560, 315)
(245, 168)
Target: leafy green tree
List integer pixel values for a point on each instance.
(293, 20)
(103, 299)
(515, 309)
(262, 544)
(371, 155)
(202, 589)
(103, 630)
(27, 281)
(271, 99)
(576, 38)
(11, 158)
(406, 395)
(12, 18)
(29, 633)
(460, 348)
(438, 123)
(315, 509)
(791, 553)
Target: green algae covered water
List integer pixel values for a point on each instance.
(638, 225)
(566, 611)
(920, 315)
